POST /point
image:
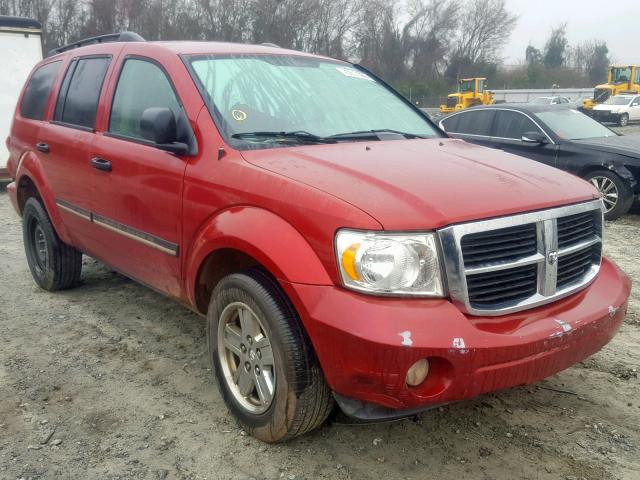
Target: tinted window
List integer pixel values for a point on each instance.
(513, 125)
(471, 123)
(450, 124)
(142, 85)
(80, 92)
(37, 93)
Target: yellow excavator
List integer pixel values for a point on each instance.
(621, 79)
(471, 92)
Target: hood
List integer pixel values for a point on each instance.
(609, 108)
(425, 184)
(628, 146)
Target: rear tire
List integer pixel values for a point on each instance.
(249, 314)
(615, 192)
(54, 265)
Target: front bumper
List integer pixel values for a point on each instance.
(366, 344)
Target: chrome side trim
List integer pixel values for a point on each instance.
(137, 235)
(120, 228)
(546, 223)
(71, 208)
(497, 138)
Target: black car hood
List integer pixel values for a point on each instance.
(622, 145)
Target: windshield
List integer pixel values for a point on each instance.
(618, 101)
(467, 86)
(299, 95)
(620, 74)
(572, 125)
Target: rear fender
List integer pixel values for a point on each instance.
(31, 168)
(264, 236)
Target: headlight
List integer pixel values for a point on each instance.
(398, 264)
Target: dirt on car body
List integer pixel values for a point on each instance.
(111, 380)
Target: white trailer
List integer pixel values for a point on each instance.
(20, 50)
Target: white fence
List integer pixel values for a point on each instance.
(525, 95)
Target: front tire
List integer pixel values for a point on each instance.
(54, 265)
(266, 368)
(623, 121)
(616, 194)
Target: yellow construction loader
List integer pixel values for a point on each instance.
(621, 79)
(470, 93)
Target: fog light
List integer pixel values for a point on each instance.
(418, 372)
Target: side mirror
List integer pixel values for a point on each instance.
(158, 125)
(534, 138)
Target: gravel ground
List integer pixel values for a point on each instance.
(110, 380)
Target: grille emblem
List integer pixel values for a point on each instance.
(552, 257)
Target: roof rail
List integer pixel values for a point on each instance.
(268, 44)
(110, 37)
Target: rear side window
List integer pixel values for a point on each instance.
(37, 92)
(471, 123)
(513, 125)
(78, 100)
(142, 85)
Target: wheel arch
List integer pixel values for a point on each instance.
(621, 170)
(31, 182)
(243, 237)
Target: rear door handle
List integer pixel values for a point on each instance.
(101, 164)
(43, 147)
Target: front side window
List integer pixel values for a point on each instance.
(573, 125)
(142, 84)
(290, 93)
(513, 125)
(78, 100)
(38, 89)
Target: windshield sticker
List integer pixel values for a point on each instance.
(349, 72)
(238, 115)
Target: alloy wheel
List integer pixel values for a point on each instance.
(608, 191)
(246, 358)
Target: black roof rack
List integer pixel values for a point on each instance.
(19, 22)
(110, 37)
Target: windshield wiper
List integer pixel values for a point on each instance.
(374, 134)
(300, 136)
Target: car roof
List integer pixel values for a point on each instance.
(520, 107)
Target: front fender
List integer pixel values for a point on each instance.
(264, 236)
(625, 174)
(31, 168)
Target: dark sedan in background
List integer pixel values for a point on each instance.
(561, 137)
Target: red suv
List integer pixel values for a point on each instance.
(341, 247)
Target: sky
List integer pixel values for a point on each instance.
(615, 22)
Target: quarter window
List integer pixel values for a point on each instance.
(142, 85)
(38, 89)
(78, 100)
(513, 125)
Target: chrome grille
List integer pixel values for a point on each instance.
(576, 228)
(501, 245)
(512, 263)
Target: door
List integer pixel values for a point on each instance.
(510, 126)
(67, 139)
(634, 109)
(137, 188)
